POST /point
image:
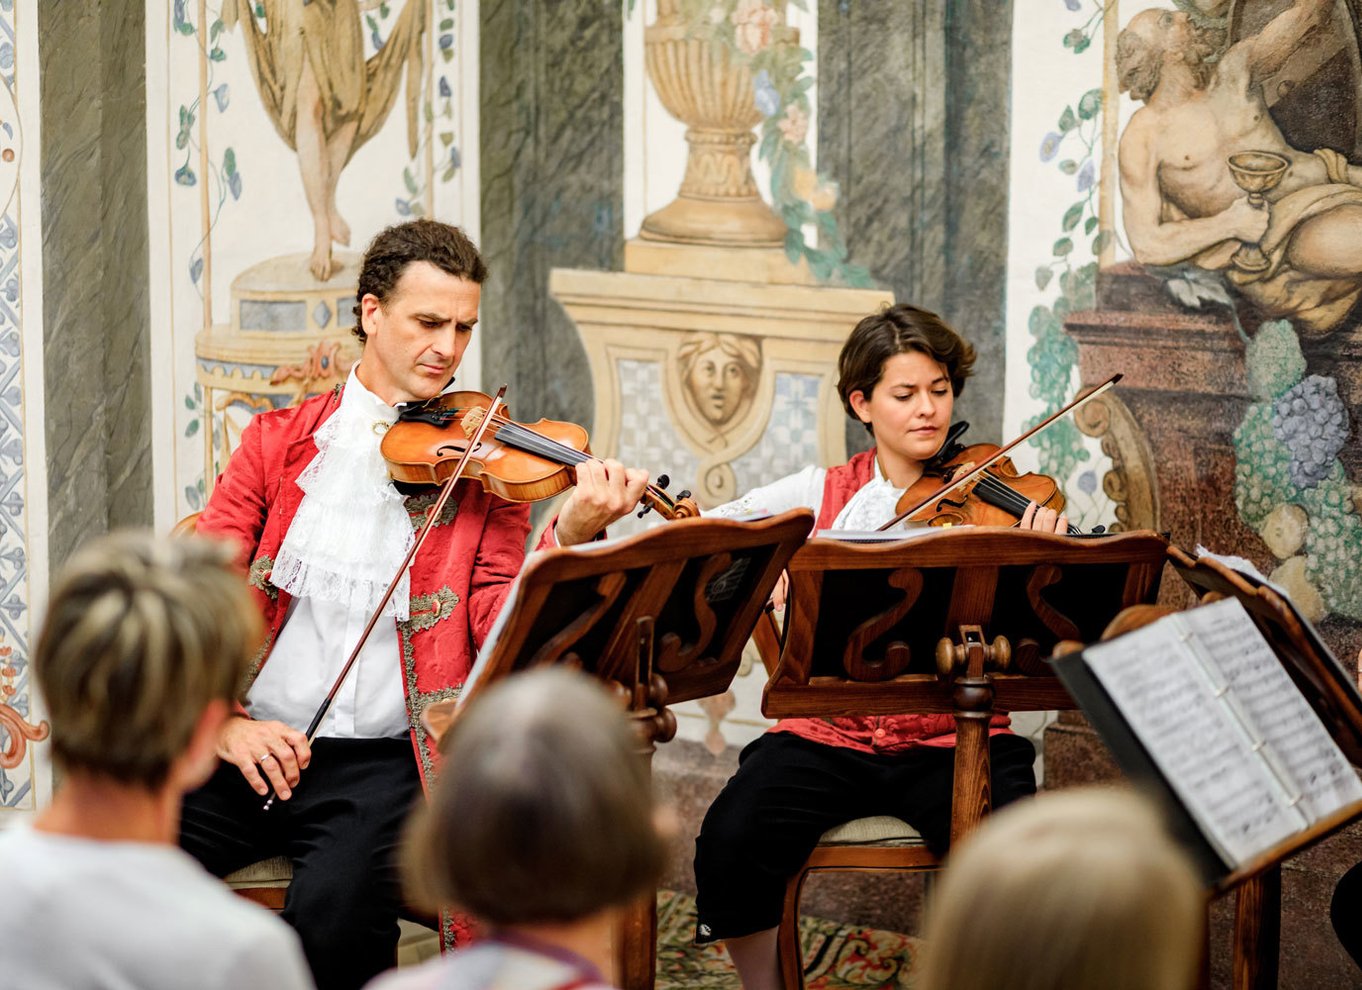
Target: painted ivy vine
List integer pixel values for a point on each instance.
(438, 110)
(224, 173)
(1054, 353)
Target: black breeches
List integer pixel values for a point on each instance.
(340, 829)
(788, 791)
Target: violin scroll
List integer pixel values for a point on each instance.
(655, 496)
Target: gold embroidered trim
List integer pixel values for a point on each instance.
(259, 576)
(426, 610)
(419, 505)
(253, 670)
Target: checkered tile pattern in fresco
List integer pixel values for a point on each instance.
(648, 439)
(791, 438)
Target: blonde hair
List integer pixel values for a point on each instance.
(141, 634)
(1076, 890)
(543, 811)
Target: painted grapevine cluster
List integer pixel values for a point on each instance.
(1289, 483)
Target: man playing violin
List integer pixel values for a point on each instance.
(321, 530)
(900, 372)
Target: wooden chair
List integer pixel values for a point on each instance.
(879, 844)
(1026, 585)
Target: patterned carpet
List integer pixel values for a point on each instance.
(836, 957)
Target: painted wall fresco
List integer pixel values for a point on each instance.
(713, 352)
(285, 135)
(1184, 210)
(25, 768)
(1227, 250)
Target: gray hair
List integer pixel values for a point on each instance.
(141, 634)
(543, 811)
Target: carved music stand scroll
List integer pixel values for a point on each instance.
(662, 617)
(954, 621)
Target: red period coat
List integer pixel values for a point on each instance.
(871, 733)
(459, 578)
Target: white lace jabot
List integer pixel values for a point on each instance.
(873, 505)
(352, 529)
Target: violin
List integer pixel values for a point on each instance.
(468, 435)
(998, 496)
(982, 473)
(520, 462)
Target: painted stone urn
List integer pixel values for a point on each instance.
(702, 85)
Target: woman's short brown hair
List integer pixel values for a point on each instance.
(896, 330)
(141, 634)
(543, 810)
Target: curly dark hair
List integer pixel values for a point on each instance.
(894, 330)
(443, 245)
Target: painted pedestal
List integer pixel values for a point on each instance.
(289, 337)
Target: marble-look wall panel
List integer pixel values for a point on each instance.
(913, 108)
(125, 306)
(552, 194)
(978, 144)
(95, 265)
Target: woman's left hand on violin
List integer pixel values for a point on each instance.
(1043, 520)
(606, 491)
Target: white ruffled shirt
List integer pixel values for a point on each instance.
(342, 548)
(874, 504)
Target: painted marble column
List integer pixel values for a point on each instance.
(95, 303)
(914, 109)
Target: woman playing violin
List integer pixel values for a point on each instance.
(900, 371)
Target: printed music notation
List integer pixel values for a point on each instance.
(1230, 731)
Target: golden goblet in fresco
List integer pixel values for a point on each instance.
(1257, 173)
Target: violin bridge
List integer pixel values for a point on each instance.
(472, 419)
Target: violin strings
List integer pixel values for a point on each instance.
(1006, 498)
(536, 443)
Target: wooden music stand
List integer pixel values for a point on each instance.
(884, 629)
(662, 617)
(1333, 695)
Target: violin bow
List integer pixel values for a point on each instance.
(984, 465)
(434, 514)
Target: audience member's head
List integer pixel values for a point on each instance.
(543, 812)
(145, 643)
(1077, 890)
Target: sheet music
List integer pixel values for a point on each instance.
(1204, 753)
(1294, 740)
(1246, 569)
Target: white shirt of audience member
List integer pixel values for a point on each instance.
(90, 914)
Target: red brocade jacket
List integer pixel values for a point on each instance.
(871, 733)
(459, 579)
